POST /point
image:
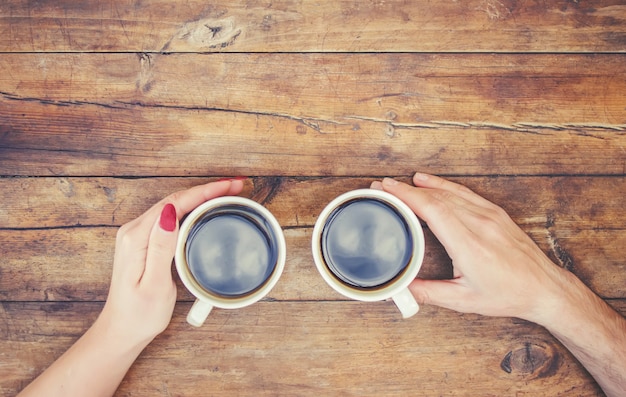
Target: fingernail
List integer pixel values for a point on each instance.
(168, 218)
(376, 185)
(389, 182)
(420, 177)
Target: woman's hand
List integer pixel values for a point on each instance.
(140, 302)
(142, 293)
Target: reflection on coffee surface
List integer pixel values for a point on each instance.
(231, 251)
(366, 243)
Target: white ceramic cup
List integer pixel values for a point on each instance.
(397, 288)
(205, 299)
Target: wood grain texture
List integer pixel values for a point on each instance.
(571, 202)
(304, 348)
(58, 242)
(308, 26)
(75, 264)
(418, 88)
(106, 107)
(311, 114)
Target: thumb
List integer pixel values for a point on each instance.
(443, 293)
(436, 211)
(161, 247)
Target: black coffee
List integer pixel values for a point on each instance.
(366, 243)
(231, 251)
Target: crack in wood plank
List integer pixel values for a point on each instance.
(538, 128)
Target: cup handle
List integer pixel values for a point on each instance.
(407, 304)
(198, 313)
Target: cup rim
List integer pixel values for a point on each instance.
(194, 287)
(395, 286)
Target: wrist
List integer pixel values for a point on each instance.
(591, 330)
(565, 304)
(557, 294)
(111, 334)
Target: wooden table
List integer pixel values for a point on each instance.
(105, 107)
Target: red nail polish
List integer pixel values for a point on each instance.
(168, 218)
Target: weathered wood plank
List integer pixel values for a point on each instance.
(74, 143)
(338, 348)
(578, 221)
(305, 26)
(515, 90)
(311, 114)
(307, 90)
(75, 264)
(573, 203)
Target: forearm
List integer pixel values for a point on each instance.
(94, 366)
(594, 333)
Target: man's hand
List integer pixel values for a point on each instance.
(500, 271)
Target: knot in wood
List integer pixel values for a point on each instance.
(537, 360)
(205, 34)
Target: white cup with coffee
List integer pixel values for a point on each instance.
(230, 253)
(368, 245)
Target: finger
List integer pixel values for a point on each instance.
(435, 182)
(131, 243)
(161, 248)
(186, 200)
(435, 210)
(182, 202)
(376, 185)
(443, 293)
